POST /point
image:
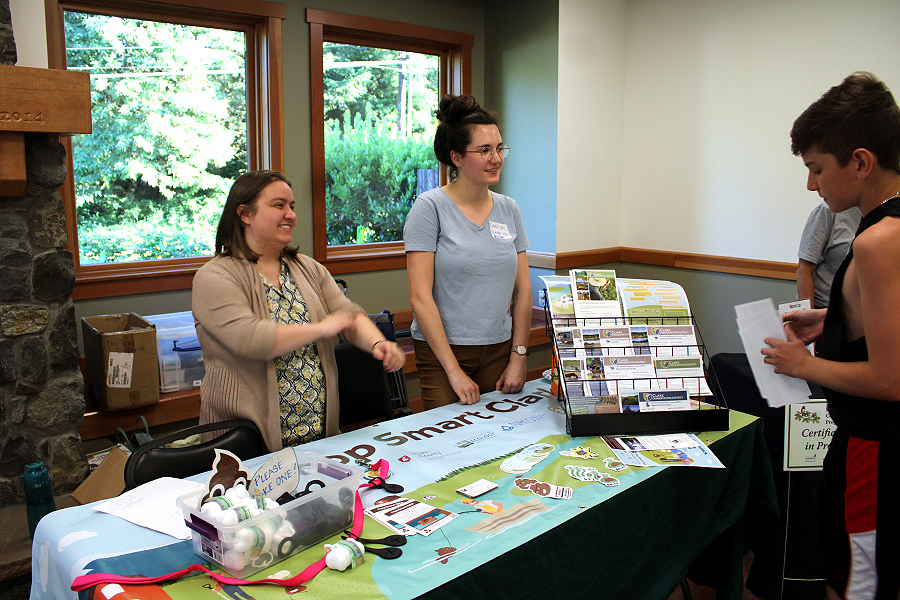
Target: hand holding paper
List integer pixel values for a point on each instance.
(756, 322)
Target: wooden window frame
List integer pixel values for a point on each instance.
(261, 22)
(454, 50)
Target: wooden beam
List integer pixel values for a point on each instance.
(12, 163)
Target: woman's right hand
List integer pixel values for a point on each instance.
(465, 388)
(335, 323)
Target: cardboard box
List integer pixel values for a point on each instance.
(107, 480)
(121, 361)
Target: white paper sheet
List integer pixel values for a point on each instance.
(152, 505)
(756, 322)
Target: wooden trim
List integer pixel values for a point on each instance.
(541, 260)
(272, 92)
(203, 8)
(403, 319)
(663, 258)
(317, 138)
(580, 258)
(718, 264)
(385, 28)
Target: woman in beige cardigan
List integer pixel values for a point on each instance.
(268, 319)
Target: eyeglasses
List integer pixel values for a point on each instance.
(487, 153)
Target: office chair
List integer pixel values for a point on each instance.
(367, 391)
(152, 460)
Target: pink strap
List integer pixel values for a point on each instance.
(85, 581)
(358, 515)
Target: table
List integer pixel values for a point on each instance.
(634, 539)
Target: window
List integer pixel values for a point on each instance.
(184, 99)
(379, 115)
(374, 86)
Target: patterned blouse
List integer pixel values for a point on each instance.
(301, 382)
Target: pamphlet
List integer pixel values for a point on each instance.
(560, 300)
(628, 367)
(678, 449)
(595, 296)
(663, 400)
(672, 340)
(654, 302)
(596, 405)
(682, 372)
(409, 517)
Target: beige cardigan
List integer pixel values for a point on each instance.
(236, 335)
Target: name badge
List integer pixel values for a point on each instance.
(499, 231)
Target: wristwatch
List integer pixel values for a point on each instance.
(520, 350)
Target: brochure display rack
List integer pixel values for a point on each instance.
(644, 373)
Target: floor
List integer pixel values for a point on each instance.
(699, 592)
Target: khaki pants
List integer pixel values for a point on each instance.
(483, 364)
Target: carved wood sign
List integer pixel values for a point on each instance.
(55, 102)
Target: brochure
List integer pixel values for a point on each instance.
(757, 321)
(560, 300)
(595, 296)
(654, 302)
(672, 340)
(408, 517)
(680, 449)
(663, 400)
(628, 367)
(682, 373)
(595, 406)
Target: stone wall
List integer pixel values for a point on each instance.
(41, 386)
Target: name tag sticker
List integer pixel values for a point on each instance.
(499, 231)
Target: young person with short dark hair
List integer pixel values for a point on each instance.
(849, 140)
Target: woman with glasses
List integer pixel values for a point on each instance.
(469, 285)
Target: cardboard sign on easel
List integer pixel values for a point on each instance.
(808, 430)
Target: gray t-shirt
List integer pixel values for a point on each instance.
(474, 267)
(825, 242)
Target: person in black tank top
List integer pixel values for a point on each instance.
(849, 140)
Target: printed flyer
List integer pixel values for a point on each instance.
(685, 450)
(595, 296)
(683, 372)
(654, 302)
(560, 300)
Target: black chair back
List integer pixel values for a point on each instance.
(368, 392)
(152, 460)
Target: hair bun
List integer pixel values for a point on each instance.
(454, 109)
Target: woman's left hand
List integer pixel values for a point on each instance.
(512, 379)
(390, 355)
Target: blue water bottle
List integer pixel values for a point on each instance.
(38, 494)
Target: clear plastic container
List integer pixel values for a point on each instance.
(180, 358)
(263, 540)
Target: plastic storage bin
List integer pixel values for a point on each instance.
(280, 532)
(180, 359)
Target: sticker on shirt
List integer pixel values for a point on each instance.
(499, 231)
